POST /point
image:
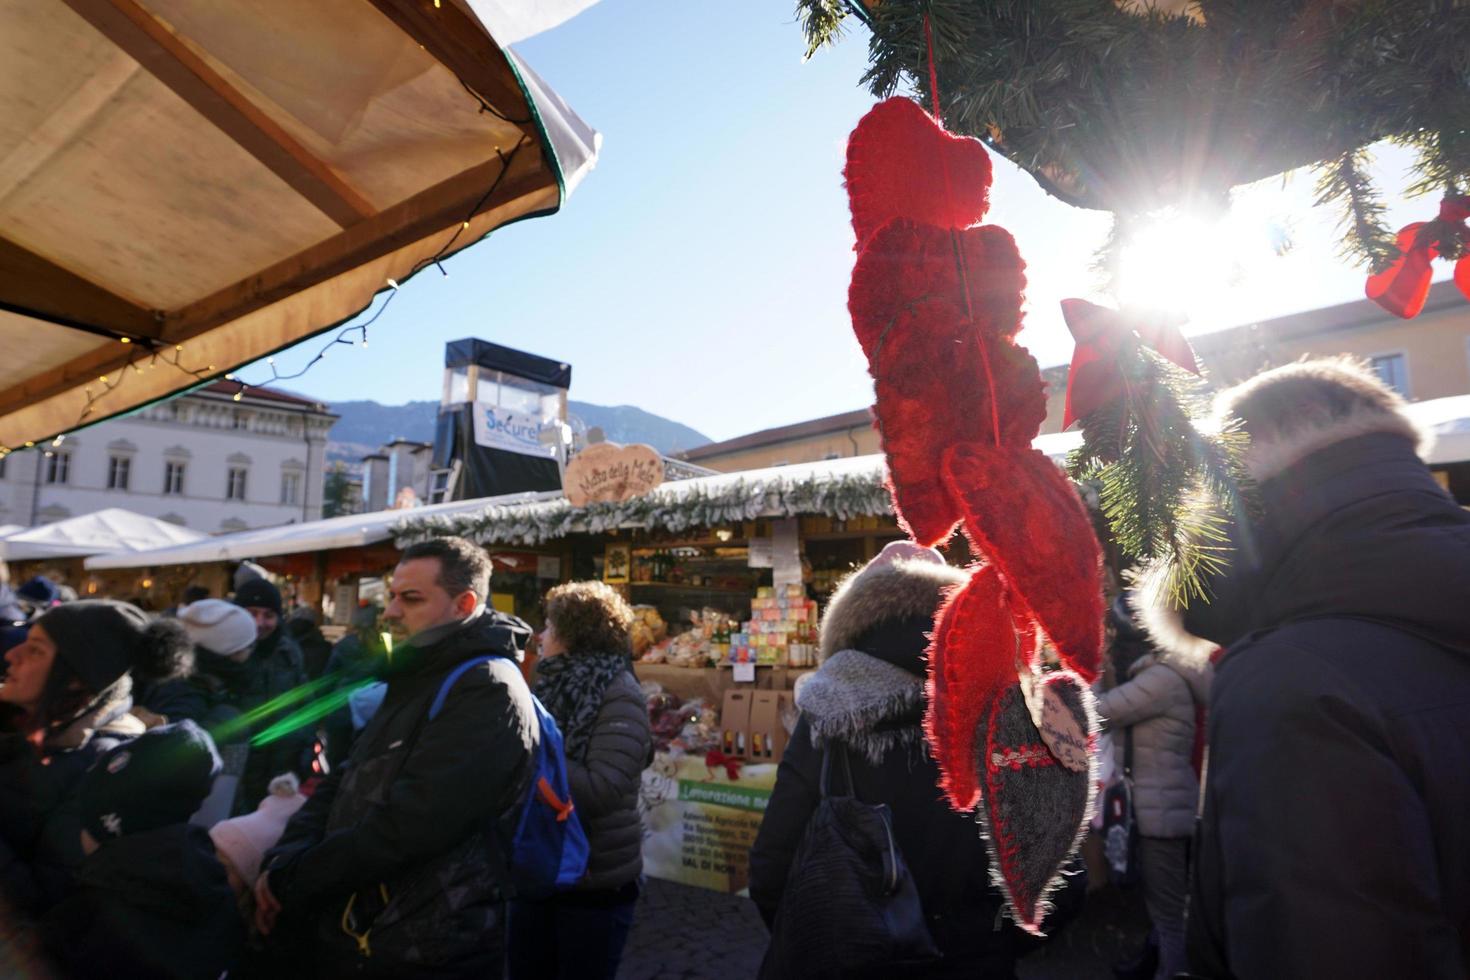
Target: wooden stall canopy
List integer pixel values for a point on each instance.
(206, 183)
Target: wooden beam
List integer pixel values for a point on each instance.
(442, 206)
(65, 122)
(191, 78)
(36, 286)
(457, 41)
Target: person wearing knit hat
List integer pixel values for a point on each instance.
(152, 898)
(274, 666)
(221, 628)
(241, 842)
(65, 700)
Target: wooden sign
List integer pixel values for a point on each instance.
(606, 473)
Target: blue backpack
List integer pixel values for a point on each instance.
(548, 852)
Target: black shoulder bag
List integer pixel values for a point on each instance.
(850, 904)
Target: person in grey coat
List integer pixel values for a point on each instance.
(585, 680)
(1154, 706)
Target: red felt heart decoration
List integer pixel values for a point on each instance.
(1023, 515)
(901, 164)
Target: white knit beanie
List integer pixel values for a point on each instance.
(218, 626)
(244, 840)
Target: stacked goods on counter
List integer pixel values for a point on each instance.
(648, 629)
(688, 726)
(781, 631)
(704, 644)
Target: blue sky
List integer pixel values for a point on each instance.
(700, 271)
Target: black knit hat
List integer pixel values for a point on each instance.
(101, 640)
(259, 593)
(158, 779)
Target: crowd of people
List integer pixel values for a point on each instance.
(1298, 750)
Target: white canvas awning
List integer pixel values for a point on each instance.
(208, 183)
(351, 531)
(103, 532)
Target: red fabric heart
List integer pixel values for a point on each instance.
(905, 262)
(972, 655)
(901, 164)
(1022, 514)
(929, 350)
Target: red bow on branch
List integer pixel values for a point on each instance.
(1402, 288)
(1095, 377)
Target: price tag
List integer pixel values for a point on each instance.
(745, 673)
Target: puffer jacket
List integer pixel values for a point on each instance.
(1157, 705)
(40, 820)
(392, 859)
(604, 785)
(276, 666)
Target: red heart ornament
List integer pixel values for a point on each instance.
(1025, 517)
(1033, 809)
(972, 654)
(901, 164)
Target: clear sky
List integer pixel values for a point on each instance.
(700, 271)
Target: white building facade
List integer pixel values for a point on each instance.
(202, 460)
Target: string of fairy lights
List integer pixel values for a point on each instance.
(149, 354)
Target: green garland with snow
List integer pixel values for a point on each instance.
(675, 508)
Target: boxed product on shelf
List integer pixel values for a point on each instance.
(767, 735)
(735, 723)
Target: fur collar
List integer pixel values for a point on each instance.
(874, 595)
(107, 714)
(864, 702)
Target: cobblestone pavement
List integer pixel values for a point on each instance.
(684, 933)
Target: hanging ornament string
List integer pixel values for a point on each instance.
(954, 240)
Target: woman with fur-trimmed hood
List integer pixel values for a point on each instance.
(1335, 834)
(869, 696)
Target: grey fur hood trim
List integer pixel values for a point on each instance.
(1296, 410)
(864, 702)
(874, 595)
(1163, 621)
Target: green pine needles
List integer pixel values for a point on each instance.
(1133, 110)
(1169, 492)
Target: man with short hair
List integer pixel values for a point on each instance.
(390, 860)
(1335, 834)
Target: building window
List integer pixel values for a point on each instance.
(235, 488)
(119, 469)
(173, 478)
(290, 488)
(1393, 370)
(58, 467)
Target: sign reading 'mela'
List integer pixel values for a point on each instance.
(607, 473)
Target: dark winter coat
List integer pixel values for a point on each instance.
(151, 906)
(604, 783)
(869, 695)
(1335, 836)
(275, 667)
(399, 833)
(40, 824)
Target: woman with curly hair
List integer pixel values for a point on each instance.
(585, 680)
(66, 700)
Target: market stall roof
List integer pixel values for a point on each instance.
(103, 532)
(196, 185)
(350, 531)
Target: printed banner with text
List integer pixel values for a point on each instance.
(698, 824)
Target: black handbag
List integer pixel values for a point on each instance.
(1120, 829)
(850, 905)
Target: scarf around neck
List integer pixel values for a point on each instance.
(571, 687)
(864, 702)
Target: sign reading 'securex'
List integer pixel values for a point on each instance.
(500, 428)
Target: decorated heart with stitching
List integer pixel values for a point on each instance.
(1033, 809)
(1022, 514)
(901, 164)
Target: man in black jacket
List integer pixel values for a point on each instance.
(1335, 834)
(390, 858)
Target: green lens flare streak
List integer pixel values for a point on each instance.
(308, 715)
(228, 730)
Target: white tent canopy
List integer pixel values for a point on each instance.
(103, 532)
(350, 531)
